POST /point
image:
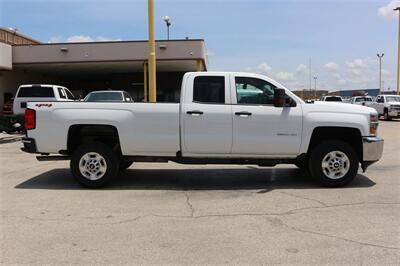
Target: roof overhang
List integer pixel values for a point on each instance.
(106, 67)
(114, 57)
(5, 57)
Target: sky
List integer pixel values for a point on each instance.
(271, 37)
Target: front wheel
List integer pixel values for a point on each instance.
(387, 116)
(94, 164)
(123, 165)
(302, 164)
(334, 163)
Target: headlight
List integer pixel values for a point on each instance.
(373, 124)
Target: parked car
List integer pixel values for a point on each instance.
(387, 105)
(8, 107)
(361, 100)
(216, 122)
(108, 96)
(39, 92)
(330, 98)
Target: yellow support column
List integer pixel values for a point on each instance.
(152, 54)
(198, 65)
(145, 82)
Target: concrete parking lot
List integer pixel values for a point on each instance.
(169, 213)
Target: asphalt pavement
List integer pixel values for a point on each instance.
(183, 214)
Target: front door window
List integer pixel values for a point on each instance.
(254, 91)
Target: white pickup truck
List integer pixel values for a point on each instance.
(386, 105)
(39, 92)
(222, 118)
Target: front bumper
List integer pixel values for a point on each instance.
(394, 113)
(372, 150)
(29, 145)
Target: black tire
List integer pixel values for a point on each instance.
(123, 165)
(107, 157)
(386, 115)
(322, 150)
(302, 164)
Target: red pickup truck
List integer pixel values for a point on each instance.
(8, 107)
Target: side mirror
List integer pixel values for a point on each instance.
(279, 97)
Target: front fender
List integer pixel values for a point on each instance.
(314, 120)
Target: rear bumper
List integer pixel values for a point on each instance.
(29, 145)
(372, 150)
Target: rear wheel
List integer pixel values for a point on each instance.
(334, 163)
(94, 164)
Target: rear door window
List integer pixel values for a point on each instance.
(62, 93)
(36, 92)
(209, 89)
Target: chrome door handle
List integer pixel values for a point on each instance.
(194, 112)
(243, 113)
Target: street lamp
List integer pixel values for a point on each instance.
(315, 87)
(380, 56)
(14, 32)
(167, 20)
(398, 52)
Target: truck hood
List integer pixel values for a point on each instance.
(394, 103)
(321, 106)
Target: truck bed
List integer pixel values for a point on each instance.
(147, 128)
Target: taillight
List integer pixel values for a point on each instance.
(30, 119)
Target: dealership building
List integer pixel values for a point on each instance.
(85, 67)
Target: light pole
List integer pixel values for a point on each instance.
(167, 20)
(309, 72)
(398, 53)
(380, 56)
(315, 87)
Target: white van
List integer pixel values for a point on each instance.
(39, 92)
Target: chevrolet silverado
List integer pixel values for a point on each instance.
(222, 118)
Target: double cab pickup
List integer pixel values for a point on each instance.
(222, 118)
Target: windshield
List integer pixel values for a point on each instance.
(393, 98)
(103, 96)
(364, 99)
(333, 99)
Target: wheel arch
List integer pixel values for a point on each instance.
(83, 133)
(350, 135)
